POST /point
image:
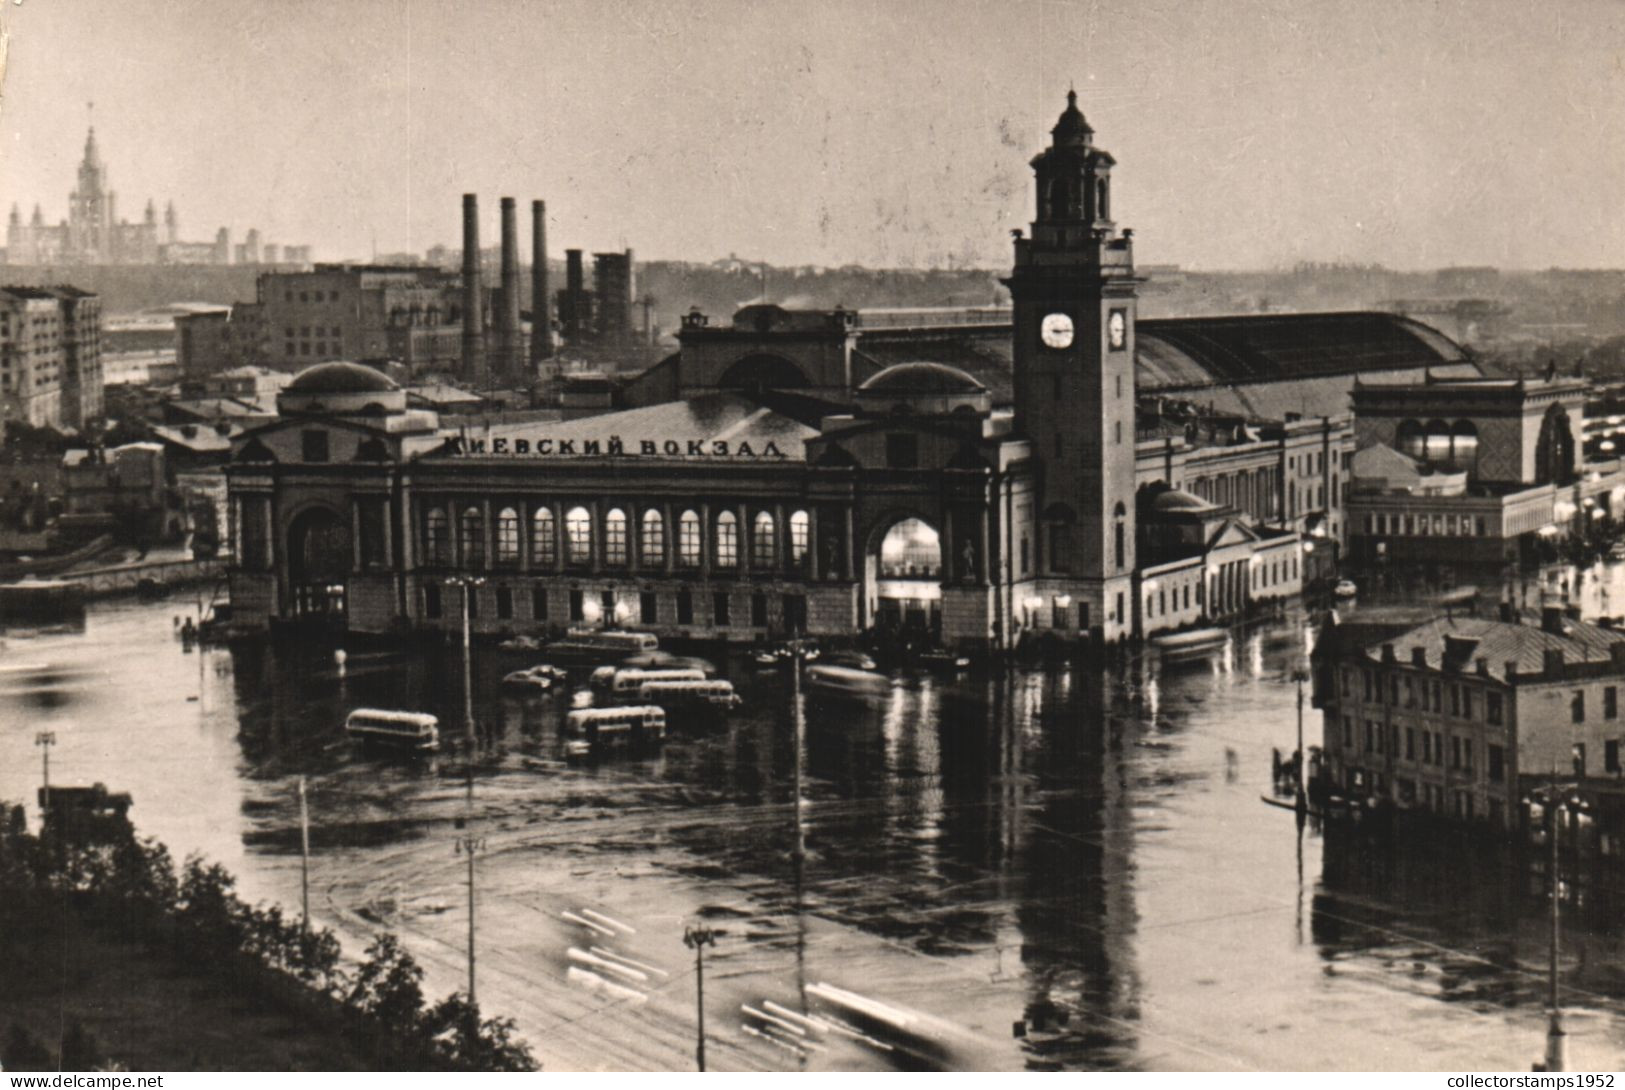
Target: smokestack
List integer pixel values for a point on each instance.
(541, 326)
(473, 316)
(508, 333)
(575, 288)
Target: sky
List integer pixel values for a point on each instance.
(1248, 133)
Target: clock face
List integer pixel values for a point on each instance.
(1056, 330)
(1116, 329)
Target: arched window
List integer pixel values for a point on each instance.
(800, 536)
(1412, 440)
(1438, 442)
(688, 539)
(471, 537)
(508, 536)
(1464, 444)
(764, 540)
(653, 546)
(1102, 201)
(1118, 544)
(615, 536)
(727, 545)
(543, 542)
(436, 537)
(578, 535)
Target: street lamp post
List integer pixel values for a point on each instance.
(468, 583)
(1557, 1051)
(1299, 675)
(697, 937)
(45, 739)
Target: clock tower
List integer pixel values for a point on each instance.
(1073, 291)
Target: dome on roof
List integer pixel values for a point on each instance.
(924, 379)
(341, 378)
(1178, 500)
(1072, 128)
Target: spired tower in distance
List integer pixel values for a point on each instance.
(1073, 291)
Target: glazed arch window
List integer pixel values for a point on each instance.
(508, 536)
(763, 540)
(471, 537)
(543, 544)
(437, 537)
(688, 539)
(615, 536)
(800, 535)
(654, 538)
(578, 534)
(727, 543)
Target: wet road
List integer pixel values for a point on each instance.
(1080, 855)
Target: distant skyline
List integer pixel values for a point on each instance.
(1248, 133)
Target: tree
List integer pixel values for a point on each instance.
(389, 988)
(467, 1042)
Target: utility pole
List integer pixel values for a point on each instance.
(304, 856)
(468, 845)
(468, 583)
(1299, 675)
(45, 739)
(1557, 1047)
(697, 938)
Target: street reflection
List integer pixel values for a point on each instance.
(1069, 867)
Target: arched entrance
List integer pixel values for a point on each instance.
(1554, 453)
(903, 578)
(761, 371)
(318, 563)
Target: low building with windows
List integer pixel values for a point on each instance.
(1469, 476)
(1457, 716)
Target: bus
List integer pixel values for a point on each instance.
(690, 694)
(415, 730)
(587, 646)
(591, 730)
(624, 684)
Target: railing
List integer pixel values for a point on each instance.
(164, 573)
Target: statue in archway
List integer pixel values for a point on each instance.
(967, 561)
(831, 554)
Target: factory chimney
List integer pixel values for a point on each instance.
(473, 309)
(509, 336)
(541, 324)
(575, 289)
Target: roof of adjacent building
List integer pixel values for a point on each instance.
(1501, 642)
(1264, 347)
(341, 377)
